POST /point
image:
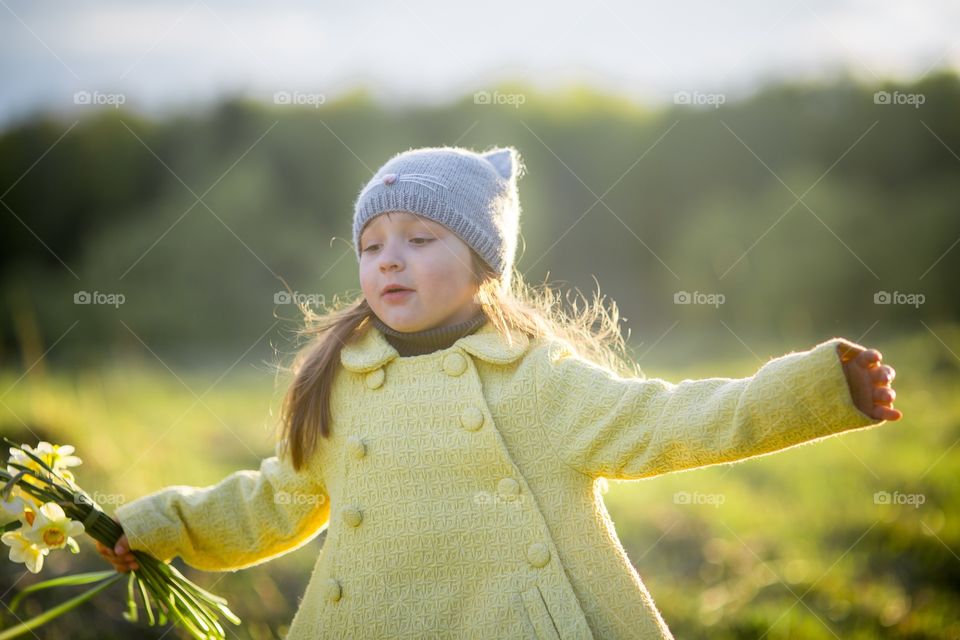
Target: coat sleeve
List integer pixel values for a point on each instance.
(245, 519)
(633, 428)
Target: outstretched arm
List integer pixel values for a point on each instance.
(243, 520)
(632, 428)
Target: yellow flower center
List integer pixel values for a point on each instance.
(53, 537)
(29, 515)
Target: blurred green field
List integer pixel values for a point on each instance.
(790, 545)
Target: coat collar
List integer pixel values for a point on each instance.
(371, 350)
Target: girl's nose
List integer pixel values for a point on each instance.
(389, 263)
(390, 258)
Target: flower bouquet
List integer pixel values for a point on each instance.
(48, 509)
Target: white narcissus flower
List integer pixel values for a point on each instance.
(23, 550)
(56, 456)
(16, 508)
(52, 528)
(18, 456)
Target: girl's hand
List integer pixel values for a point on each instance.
(869, 381)
(120, 556)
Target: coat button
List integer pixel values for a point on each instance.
(508, 487)
(538, 554)
(454, 364)
(471, 418)
(352, 516)
(356, 447)
(374, 379)
(389, 178)
(333, 590)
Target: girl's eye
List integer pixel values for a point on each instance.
(371, 247)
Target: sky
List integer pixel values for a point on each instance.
(69, 56)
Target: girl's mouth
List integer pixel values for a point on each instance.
(397, 296)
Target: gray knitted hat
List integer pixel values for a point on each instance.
(472, 194)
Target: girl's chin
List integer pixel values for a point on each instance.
(402, 321)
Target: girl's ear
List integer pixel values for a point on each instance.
(503, 161)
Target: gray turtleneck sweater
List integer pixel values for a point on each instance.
(415, 343)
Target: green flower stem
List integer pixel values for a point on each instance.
(76, 579)
(146, 599)
(169, 597)
(58, 610)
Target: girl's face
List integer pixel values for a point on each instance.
(405, 249)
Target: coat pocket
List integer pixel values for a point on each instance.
(538, 615)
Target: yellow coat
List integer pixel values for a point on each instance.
(460, 487)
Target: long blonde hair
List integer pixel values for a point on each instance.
(589, 331)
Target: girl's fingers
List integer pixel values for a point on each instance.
(887, 413)
(107, 552)
(122, 562)
(849, 351)
(884, 410)
(884, 395)
(883, 374)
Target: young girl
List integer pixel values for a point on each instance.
(448, 429)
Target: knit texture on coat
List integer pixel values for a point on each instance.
(460, 492)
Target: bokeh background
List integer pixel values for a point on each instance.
(742, 180)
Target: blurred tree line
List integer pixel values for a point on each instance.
(798, 204)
